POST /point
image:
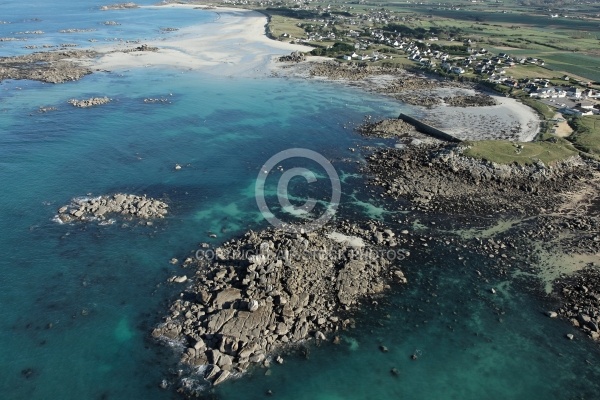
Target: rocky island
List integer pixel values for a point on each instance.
(253, 296)
(128, 206)
(51, 67)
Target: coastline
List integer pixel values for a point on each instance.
(191, 49)
(506, 120)
(239, 46)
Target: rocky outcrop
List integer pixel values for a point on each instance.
(295, 56)
(94, 101)
(272, 289)
(162, 100)
(580, 295)
(337, 70)
(437, 178)
(385, 128)
(119, 6)
(51, 67)
(127, 206)
(476, 100)
(143, 47)
(43, 109)
(408, 87)
(76, 30)
(419, 98)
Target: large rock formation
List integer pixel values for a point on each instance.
(255, 295)
(438, 178)
(99, 208)
(51, 67)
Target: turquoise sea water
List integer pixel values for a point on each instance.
(77, 302)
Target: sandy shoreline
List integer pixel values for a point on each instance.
(237, 45)
(507, 120)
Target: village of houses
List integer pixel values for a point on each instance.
(346, 26)
(569, 98)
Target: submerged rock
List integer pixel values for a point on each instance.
(94, 101)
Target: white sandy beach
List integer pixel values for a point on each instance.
(234, 43)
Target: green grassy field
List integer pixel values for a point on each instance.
(568, 45)
(504, 152)
(280, 25)
(587, 134)
(543, 109)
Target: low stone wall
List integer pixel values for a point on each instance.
(428, 129)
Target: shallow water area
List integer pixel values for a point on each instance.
(445, 335)
(85, 24)
(80, 299)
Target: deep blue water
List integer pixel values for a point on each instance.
(77, 302)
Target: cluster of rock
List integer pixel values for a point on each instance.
(44, 46)
(143, 47)
(418, 98)
(350, 71)
(162, 100)
(99, 208)
(385, 128)
(295, 56)
(46, 109)
(91, 102)
(410, 83)
(408, 87)
(381, 79)
(38, 32)
(580, 295)
(119, 6)
(75, 30)
(111, 23)
(268, 290)
(51, 67)
(169, 29)
(476, 100)
(436, 177)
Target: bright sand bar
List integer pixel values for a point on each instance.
(234, 43)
